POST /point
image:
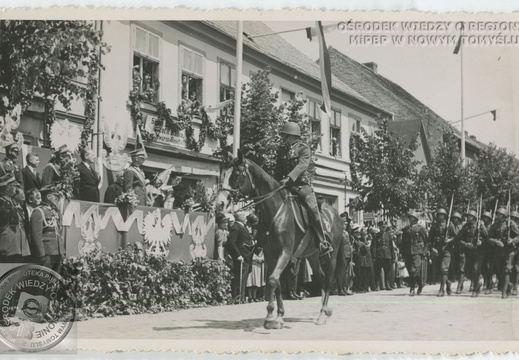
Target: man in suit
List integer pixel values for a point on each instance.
(8, 164)
(89, 178)
(415, 247)
(134, 178)
(383, 254)
(13, 240)
(48, 247)
(31, 178)
(240, 245)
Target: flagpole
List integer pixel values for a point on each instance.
(462, 119)
(237, 89)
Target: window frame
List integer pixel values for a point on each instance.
(313, 119)
(184, 71)
(358, 123)
(146, 56)
(334, 126)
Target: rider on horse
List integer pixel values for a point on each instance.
(292, 168)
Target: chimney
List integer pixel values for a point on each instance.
(372, 66)
(473, 137)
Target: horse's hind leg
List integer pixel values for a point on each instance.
(274, 289)
(327, 283)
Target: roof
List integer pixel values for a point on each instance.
(277, 48)
(407, 130)
(388, 95)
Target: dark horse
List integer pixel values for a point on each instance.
(281, 237)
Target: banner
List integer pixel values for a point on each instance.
(179, 235)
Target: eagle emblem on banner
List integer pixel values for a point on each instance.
(89, 232)
(198, 248)
(157, 232)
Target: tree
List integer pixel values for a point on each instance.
(261, 120)
(445, 176)
(383, 171)
(496, 172)
(44, 59)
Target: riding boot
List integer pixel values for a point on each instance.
(442, 286)
(506, 282)
(420, 285)
(313, 211)
(460, 284)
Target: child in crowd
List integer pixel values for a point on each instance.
(402, 272)
(256, 277)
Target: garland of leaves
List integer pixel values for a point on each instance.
(136, 98)
(90, 101)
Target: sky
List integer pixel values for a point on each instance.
(432, 74)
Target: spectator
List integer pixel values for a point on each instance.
(240, 246)
(31, 177)
(52, 171)
(114, 190)
(134, 178)
(47, 230)
(154, 193)
(221, 236)
(256, 278)
(8, 164)
(32, 200)
(89, 179)
(13, 240)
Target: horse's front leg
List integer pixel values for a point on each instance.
(326, 311)
(274, 289)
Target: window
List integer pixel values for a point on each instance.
(354, 123)
(335, 133)
(146, 63)
(192, 65)
(227, 85)
(287, 96)
(314, 115)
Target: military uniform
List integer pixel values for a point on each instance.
(48, 247)
(503, 256)
(384, 256)
(13, 240)
(134, 179)
(473, 253)
(9, 166)
(415, 247)
(292, 162)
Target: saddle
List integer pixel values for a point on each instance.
(306, 246)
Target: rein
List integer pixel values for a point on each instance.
(259, 199)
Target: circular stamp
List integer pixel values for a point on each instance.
(37, 310)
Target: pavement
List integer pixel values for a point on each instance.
(374, 316)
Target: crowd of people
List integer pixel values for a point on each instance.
(383, 258)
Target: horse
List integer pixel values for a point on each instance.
(280, 236)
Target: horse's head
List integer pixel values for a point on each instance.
(238, 179)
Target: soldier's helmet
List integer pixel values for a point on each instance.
(456, 215)
(514, 214)
(502, 211)
(487, 214)
(414, 214)
(441, 211)
(291, 128)
(472, 213)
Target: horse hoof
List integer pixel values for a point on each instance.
(273, 324)
(328, 312)
(321, 321)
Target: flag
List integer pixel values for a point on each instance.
(458, 43)
(216, 107)
(326, 73)
(139, 142)
(494, 114)
(312, 31)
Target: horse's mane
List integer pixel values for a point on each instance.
(262, 175)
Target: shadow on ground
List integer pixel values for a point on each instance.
(247, 325)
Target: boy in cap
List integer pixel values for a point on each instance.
(134, 178)
(13, 240)
(47, 231)
(415, 247)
